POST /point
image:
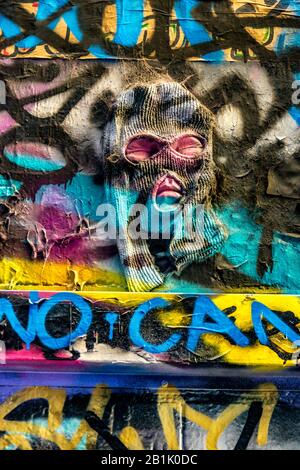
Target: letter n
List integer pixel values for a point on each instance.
(260, 311)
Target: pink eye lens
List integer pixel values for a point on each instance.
(190, 145)
(142, 148)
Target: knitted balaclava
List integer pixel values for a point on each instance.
(158, 153)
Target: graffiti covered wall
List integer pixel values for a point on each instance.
(55, 112)
(48, 418)
(155, 105)
(144, 328)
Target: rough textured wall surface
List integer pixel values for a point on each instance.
(102, 103)
(239, 59)
(243, 330)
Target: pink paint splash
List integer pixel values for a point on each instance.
(6, 122)
(34, 353)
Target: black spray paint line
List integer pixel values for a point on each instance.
(253, 418)
(98, 425)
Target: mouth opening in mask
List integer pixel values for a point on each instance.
(167, 193)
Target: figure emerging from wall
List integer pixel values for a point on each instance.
(157, 149)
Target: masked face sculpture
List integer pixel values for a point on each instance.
(158, 153)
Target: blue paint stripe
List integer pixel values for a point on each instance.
(33, 163)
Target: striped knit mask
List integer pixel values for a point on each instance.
(159, 176)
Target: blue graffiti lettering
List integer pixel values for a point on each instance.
(28, 335)
(135, 328)
(111, 318)
(204, 307)
(81, 328)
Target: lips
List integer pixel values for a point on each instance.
(168, 191)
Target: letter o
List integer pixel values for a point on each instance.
(81, 329)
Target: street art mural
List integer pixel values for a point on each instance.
(54, 180)
(149, 216)
(193, 29)
(252, 413)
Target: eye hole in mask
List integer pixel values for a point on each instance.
(142, 148)
(189, 146)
